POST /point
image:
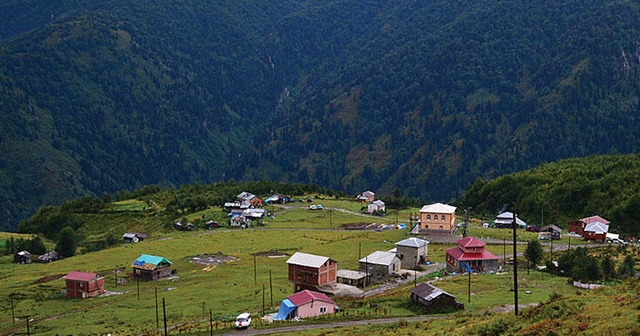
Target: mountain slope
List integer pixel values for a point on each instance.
(420, 96)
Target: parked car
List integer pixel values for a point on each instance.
(316, 207)
(533, 228)
(243, 321)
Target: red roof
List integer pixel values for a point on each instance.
(470, 242)
(80, 276)
(593, 219)
(459, 255)
(306, 295)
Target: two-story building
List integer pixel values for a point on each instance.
(438, 217)
(309, 271)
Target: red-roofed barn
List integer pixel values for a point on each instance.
(83, 285)
(471, 251)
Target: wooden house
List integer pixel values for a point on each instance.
(84, 285)
(149, 267)
(304, 304)
(596, 231)
(379, 265)
(133, 237)
(308, 271)
(366, 197)
(433, 299)
(471, 251)
(22, 257)
(579, 225)
(437, 218)
(49, 257)
(412, 252)
(376, 206)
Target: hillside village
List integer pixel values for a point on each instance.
(317, 281)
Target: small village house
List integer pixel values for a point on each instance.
(133, 237)
(376, 206)
(379, 265)
(505, 220)
(84, 285)
(366, 197)
(309, 271)
(412, 252)
(149, 267)
(471, 251)
(433, 299)
(22, 257)
(305, 304)
(550, 232)
(579, 225)
(49, 257)
(596, 231)
(437, 218)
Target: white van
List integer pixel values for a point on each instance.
(243, 321)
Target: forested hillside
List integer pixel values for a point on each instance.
(565, 191)
(423, 96)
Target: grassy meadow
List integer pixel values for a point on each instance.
(250, 282)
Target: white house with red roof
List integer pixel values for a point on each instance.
(471, 251)
(305, 303)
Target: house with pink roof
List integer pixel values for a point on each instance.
(305, 303)
(471, 250)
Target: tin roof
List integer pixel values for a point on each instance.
(412, 242)
(80, 276)
(597, 227)
(428, 292)
(306, 296)
(438, 208)
(147, 261)
(380, 258)
(305, 259)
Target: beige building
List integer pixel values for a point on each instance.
(438, 217)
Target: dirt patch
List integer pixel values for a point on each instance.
(271, 254)
(212, 259)
(355, 226)
(49, 278)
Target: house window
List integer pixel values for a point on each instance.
(428, 217)
(443, 217)
(323, 309)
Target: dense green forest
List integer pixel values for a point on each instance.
(564, 191)
(420, 96)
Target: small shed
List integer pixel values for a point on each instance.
(552, 232)
(434, 299)
(84, 285)
(149, 267)
(133, 237)
(352, 278)
(22, 257)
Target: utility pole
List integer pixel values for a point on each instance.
(515, 263)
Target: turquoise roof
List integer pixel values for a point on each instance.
(151, 259)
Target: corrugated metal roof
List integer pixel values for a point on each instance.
(80, 276)
(306, 295)
(412, 242)
(428, 292)
(597, 227)
(305, 259)
(379, 258)
(438, 208)
(147, 261)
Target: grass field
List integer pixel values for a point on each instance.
(248, 283)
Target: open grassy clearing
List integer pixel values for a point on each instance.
(230, 288)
